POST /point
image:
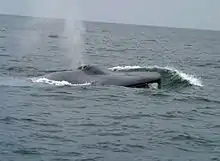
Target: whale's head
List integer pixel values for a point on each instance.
(91, 69)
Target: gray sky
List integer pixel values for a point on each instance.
(202, 14)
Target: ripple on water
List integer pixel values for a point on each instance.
(107, 146)
(196, 141)
(128, 117)
(11, 120)
(29, 151)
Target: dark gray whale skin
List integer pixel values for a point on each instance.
(93, 74)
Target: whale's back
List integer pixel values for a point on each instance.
(95, 75)
(74, 77)
(132, 80)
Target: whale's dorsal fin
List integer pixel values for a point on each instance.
(91, 69)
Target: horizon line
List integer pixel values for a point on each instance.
(119, 23)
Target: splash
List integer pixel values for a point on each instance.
(56, 83)
(188, 77)
(191, 79)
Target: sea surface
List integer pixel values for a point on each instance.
(45, 120)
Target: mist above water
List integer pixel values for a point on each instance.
(73, 29)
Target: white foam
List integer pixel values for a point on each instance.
(56, 83)
(125, 68)
(192, 79)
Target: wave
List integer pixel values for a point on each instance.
(56, 83)
(170, 76)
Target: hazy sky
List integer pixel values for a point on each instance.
(203, 14)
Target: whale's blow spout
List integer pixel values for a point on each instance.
(72, 32)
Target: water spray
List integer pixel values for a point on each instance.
(73, 29)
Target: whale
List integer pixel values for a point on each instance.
(102, 76)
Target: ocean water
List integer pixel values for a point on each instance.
(45, 120)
